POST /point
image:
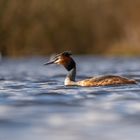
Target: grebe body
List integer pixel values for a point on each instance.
(67, 61)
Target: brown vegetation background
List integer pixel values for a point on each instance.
(41, 27)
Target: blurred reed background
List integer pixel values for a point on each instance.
(41, 27)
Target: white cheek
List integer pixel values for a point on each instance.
(57, 61)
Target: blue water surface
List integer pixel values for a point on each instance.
(35, 104)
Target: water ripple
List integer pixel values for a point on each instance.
(35, 103)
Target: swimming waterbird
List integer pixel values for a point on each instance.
(67, 61)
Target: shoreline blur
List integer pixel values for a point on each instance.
(105, 27)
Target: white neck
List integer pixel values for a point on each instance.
(68, 82)
(70, 78)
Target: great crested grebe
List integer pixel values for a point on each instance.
(67, 61)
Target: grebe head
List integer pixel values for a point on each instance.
(64, 59)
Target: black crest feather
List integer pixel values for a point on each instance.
(66, 53)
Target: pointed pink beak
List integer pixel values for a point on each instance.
(50, 62)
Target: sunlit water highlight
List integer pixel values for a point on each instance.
(35, 105)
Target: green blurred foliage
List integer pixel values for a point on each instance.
(40, 27)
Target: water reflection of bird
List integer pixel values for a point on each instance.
(67, 61)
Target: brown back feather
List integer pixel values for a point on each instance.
(106, 80)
